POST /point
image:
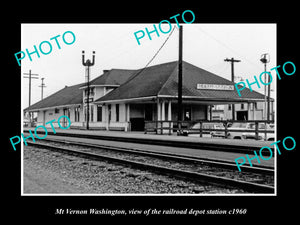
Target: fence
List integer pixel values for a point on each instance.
(221, 128)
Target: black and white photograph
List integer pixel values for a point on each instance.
(135, 109)
(165, 112)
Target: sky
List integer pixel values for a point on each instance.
(204, 45)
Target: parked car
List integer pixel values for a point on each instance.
(26, 122)
(236, 134)
(261, 134)
(220, 133)
(195, 130)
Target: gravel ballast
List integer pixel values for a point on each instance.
(47, 172)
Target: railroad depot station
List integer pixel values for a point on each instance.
(121, 99)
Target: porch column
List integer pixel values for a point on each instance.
(158, 110)
(163, 113)
(253, 110)
(106, 116)
(169, 111)
(127, 117)
(44, 117)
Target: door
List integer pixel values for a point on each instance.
(66, 112)
(242, 115)
(148, 112)
(137, 117)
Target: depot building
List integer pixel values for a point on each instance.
(122, 99)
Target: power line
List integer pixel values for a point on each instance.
(160, 48)
(30, 76)
(141, 70)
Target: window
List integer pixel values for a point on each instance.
(92, 113)
(242, 106)
(109, 112)
(229, 107)
(187, 113)
(91, 91)
(77, 114)
(99, 113)
(117, 112)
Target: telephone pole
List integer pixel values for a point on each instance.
(179, 104)
(232, 61)
(30, 76)
(42, 87)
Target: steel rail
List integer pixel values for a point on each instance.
(192, 176)
(177, 144)
(172, 156)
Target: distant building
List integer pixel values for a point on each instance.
(243, 111)
(124, 99)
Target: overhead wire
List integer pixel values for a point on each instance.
(141, 70)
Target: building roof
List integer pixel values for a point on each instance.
(158, 81)
(67, 96)
(162, 81)
(112, 77)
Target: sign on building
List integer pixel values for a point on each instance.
(215, 87)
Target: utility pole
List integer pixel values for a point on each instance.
(88, 64)
(30, 76)
(42, 87)
(265, 58)
(179, 104)
(232, 61)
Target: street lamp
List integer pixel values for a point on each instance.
(88, 64)
(265, 58)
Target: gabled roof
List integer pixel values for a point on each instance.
(162, 81)
(147, 82)
(112, 77)
(154, 81)
(66, 96)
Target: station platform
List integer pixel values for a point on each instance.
(211, 148)
(140, 137)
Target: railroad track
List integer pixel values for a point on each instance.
(186, 174)
(178, 144)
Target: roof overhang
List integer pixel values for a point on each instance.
(190, 99)
(214, 101)
(149, 98)
(51, 107)
(100, 85)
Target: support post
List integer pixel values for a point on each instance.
(232, 61)
(179, 107)
(169, 111)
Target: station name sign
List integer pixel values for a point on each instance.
(215, 87)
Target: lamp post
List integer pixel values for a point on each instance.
(88, 64)
(265, 58)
